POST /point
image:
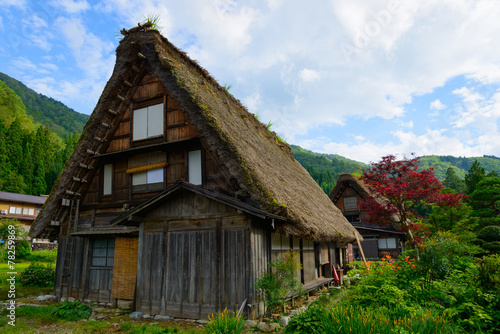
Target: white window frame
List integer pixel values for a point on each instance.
(16, 210)
(29, 211)
(146, 122)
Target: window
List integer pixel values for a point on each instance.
(16, 210)
(29, 211)
(103, 252)
(350, 203)
(195, 167)
(148, 180)
(148, 122)
(107, 179)
(389, 243)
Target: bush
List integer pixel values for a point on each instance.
(277, 284)
(308, 322)
(38, 275)
(492, 247)
(72, 311)
(489, 233)
(225, 322)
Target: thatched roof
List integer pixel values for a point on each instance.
(346, 180)
(262, 166)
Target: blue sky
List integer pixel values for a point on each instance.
(362, 79)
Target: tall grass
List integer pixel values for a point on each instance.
(225, 323)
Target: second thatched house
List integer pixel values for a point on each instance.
(379, 240)
(176, 198)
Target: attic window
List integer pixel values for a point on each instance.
(148, 180)
(350, 203)
(148, 122)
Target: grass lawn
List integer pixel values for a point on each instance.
(19, 267)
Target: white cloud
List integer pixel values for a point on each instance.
(437, 105)
(71, 6)
(23, 63)
(308, 75)
(13, 3)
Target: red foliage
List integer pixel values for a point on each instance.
(397, 188)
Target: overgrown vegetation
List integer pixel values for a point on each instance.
(280, 281)
(225, 323)
(72, 311)
(38, 275)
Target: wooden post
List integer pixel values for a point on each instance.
(360, 248)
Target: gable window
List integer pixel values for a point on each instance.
(350, 203)
(148, 177)
(107, 179)
(103, 252)
(148, 122)
(195, 167)
(389, 243)
(147, 171)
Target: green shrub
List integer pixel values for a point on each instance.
(489, 233)
(72, 311)
(225, 323)
(38, 275)
(49, 256)
(493, 247)
(308, 322)
(281, 281)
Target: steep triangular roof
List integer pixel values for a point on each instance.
(261, 165)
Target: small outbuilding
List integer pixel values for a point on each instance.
(176, 198)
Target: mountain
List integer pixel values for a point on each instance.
(325, 168)
(462, 164)
(45, 110)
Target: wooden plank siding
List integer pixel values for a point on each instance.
(189, 281)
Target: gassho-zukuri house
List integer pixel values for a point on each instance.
(176, 198)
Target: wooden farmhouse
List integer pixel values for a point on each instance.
(378, 240)
(23, 208)
(176, 198)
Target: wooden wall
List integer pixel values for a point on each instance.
(193, 273)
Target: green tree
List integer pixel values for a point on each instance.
(485, 201)
(473, 176)
(453, 182)
(15, 145)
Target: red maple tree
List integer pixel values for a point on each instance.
(397, 188)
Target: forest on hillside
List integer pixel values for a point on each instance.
(31, 155)
(59, 118)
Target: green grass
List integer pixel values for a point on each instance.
(21, 291)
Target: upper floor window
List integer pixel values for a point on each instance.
(107, 179)
(389, 243)
(147, 171)
(29, 211)
(350, 203)
(16, 210)
(148, 122)
(195, 167)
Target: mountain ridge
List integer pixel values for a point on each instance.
(61, 119)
